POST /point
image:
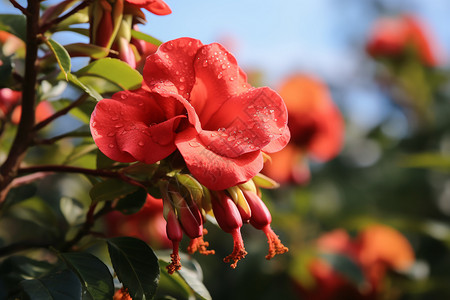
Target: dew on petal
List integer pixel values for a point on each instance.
(111, 145)
(219, 75)
(141, 143)
(182, 79)
(118, 125)
(223, 67)
(205, 63)
(194, 144)
(94, 124)
(114, 118)
(231, 78)
(123, 96)
(181, 88)
(112, 133)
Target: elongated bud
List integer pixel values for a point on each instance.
(175, 234)
(265, 182)
(189, 216)
(261, 219)
(104, 27)
(193, 186)
(126, 53)
(229, 219)
(242, 205)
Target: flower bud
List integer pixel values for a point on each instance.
(229, 219)
(261, 219)
(175, 234)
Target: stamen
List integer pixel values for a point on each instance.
(198, 244)
(175, 264)
(238, 249)
(275, 245)
(122, 294)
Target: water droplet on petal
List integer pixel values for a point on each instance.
(141, 144)
(112, 133)
(169, 46)
(203, 51)
(205, 63)
(181, 88)
(111, 145)
(219, 75)
(166, 56)
(114, 118)
(223, 67)
(94, 124)
(118, 125)
(141, 103)
(123, 96)
(194, 144)
(231, 78)
(182, 79)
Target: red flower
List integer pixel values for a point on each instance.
(148, 224)
(43, 110)
(8, 99)
(391, 37)
(158, 7)
(196, 100)
(316, 127)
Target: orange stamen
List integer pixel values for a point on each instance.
(175, 264)
(275, 245)
(122, 294)
(238, 249)
(198, 244)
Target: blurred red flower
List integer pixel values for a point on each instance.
(43, 110)
(393, 36)
(196, 100)
(157, 7)
(148, 224)
(377, 249)
(8, 100)
(316, 127)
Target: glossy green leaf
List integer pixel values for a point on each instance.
(133, 202)
(14, 24)
(16, 268)
(192, 185)
(62, 56)
(55, 286)
(111, 189)
(141, 171)
(94, 275)
(136, 266)
(145, 37)
(89, 90)
(115, 71)
(82, 49)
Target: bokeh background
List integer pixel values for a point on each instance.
(393, 168)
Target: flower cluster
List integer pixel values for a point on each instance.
(196, 106)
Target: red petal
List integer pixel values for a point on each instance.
(250, 121)
(131, 127)
(170, 70)
(211, 169)
(158, 7)
(218, 78)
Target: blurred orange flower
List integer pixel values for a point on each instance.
(8, 100)
(393, 36)
(377, 249)
(148, 224)
(43, 110)
(316, 127)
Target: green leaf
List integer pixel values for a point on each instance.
(145, 37)
(111, 189)
(133, 202)
(90, 50)
(89, 90)
(427, 160)
(136, 266)
(14, 24)
(115, 71)
(59, 285)
(62, 56)
(94, 275)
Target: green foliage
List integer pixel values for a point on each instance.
(14, 24)
(136, 266)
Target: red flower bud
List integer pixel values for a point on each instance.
(229, 219)
(190, 218)
(261, 219)
(175, 234)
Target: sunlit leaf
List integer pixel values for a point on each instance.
(90, 91)
(94, 275)
(62, 56)
(136, 266)
(145, 37)
(82, 49)
(116, 71)
(427, 160)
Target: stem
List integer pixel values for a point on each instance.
(24, 132)
(19, 7)
(20, 246)
(61, 112)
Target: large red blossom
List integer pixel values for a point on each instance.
(226, 122)
(392, 36)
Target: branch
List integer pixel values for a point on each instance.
(61, 112)
(24, 133)
(48, 25)
(20, 7)
(20, 246)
